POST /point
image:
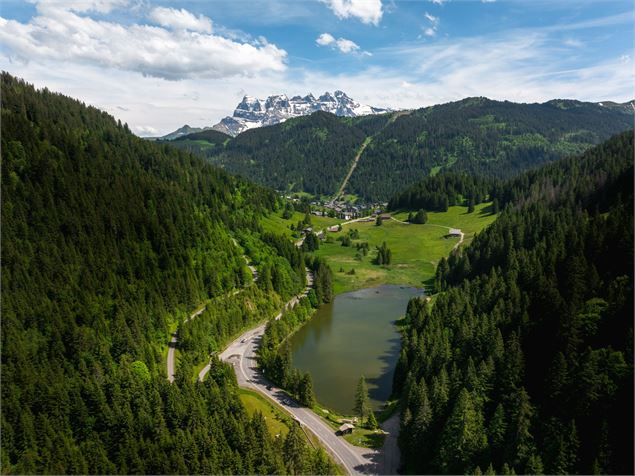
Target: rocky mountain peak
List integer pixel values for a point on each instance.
(253, 112)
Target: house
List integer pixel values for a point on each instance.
(455, 232)
(308, 229)
(334, 228)
(346, 428)
(385, 216)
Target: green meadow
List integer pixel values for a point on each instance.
(416, 249)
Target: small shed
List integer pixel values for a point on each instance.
(454, 232)
(346, 428)
(334, 228)
(385, 216)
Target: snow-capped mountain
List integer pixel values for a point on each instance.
(253, 112)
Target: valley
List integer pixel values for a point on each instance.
(443, 291)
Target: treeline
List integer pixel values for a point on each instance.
(475, 136)
(482, 137)
(106, 240)
(274, 357)
(437, 193)
(525, 361)
(274, 353)
(223, 318)
(284, 156)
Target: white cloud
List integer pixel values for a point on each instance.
(431, 18)
(325, 39)
(99, 6)
(519, 65)
(342, 44)
(181, 19)
(347, 46)
(367, 11)
(438, 2)
(573, 43)
(60, 34)
(434, 25)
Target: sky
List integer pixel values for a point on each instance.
(158, 65)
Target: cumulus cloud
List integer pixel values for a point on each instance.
(438, 2)
(341, 44)
(178, 49)
(367, 11)
(180, 19)
(325, 39)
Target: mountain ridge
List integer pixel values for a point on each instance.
(475, 135)
(252, 112)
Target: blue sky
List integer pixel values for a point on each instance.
(159, 64)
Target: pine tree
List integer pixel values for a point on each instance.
(371, 421)
(362, 400)
(295, 450)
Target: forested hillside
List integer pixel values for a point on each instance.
(309, 154)
(476, 135)
(108, 241)
(524, 362)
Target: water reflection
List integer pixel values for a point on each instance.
(352, 336)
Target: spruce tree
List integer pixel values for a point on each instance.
(362, 400)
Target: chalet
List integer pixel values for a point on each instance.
(454, 232)
(385, 216)
(334, 228)
(308, 229)
(346, 428)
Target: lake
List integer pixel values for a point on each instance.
(354, 335)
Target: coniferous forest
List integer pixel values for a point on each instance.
(524, 363)
(108, 241)
(521, 363)
(474, 136)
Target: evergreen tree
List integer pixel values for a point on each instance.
(362, 400)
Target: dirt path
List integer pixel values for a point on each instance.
(367, 141)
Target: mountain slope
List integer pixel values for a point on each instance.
(107, 242)
(283, 156)
(525, 360)
(475, 135)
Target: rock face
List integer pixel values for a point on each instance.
(253, 112)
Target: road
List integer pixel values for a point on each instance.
(241, 354)
(175, 338)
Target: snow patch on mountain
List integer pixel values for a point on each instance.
(253, 112)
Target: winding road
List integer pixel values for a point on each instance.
(241, 354)
(175, 338)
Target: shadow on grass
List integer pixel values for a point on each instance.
(366, 438)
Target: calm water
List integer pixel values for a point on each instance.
(353, 336)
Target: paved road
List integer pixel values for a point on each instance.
(241, 354)
(175, 338)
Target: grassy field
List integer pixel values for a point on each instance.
(275, 223)
(359, 437)
(416, 249)
(277, 422)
